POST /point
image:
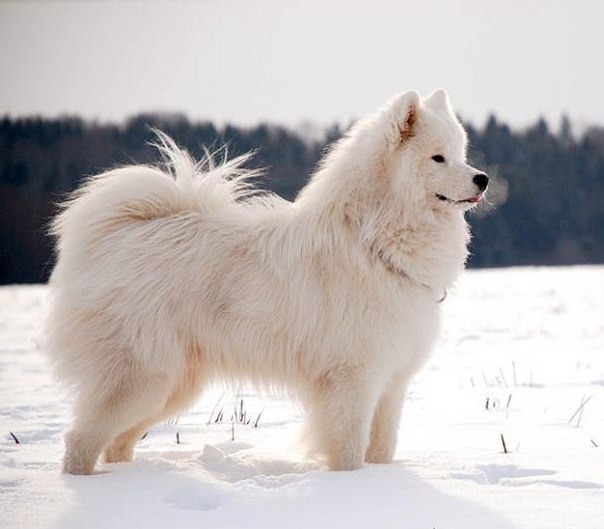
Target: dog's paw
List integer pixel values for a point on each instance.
(118, 453)
(78, 467)
(345, 460)
(379, 454)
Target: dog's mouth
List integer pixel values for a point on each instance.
(471, 200)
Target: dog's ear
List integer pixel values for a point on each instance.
(439, 100)
(406, 111)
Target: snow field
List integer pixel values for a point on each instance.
(521, 358)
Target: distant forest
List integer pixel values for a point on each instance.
(547, 197)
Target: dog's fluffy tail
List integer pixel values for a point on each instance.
(118, 197)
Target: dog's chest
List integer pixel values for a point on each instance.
(395, 325)
(413, 330)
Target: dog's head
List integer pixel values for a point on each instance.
(431, 151)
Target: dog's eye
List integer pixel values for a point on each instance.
(438, 158)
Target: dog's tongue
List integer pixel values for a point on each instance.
(475, 199)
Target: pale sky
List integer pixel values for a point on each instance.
(291, 61)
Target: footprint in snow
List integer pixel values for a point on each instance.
(515, 476)
(196, 497)
(240, 466)
(10, 484)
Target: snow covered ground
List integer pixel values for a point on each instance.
(522, 356)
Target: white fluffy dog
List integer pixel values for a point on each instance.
(168, 280)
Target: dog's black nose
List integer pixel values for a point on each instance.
(481, 180)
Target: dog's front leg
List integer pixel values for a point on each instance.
(342, 407)
(384, 428)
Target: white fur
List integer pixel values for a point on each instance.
(168, 280)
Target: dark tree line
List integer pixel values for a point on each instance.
(547, 194)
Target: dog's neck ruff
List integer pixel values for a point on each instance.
(392, 268)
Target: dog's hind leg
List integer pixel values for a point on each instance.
(341, 408)
(384, 428)
(122, 447)
(102, 413)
